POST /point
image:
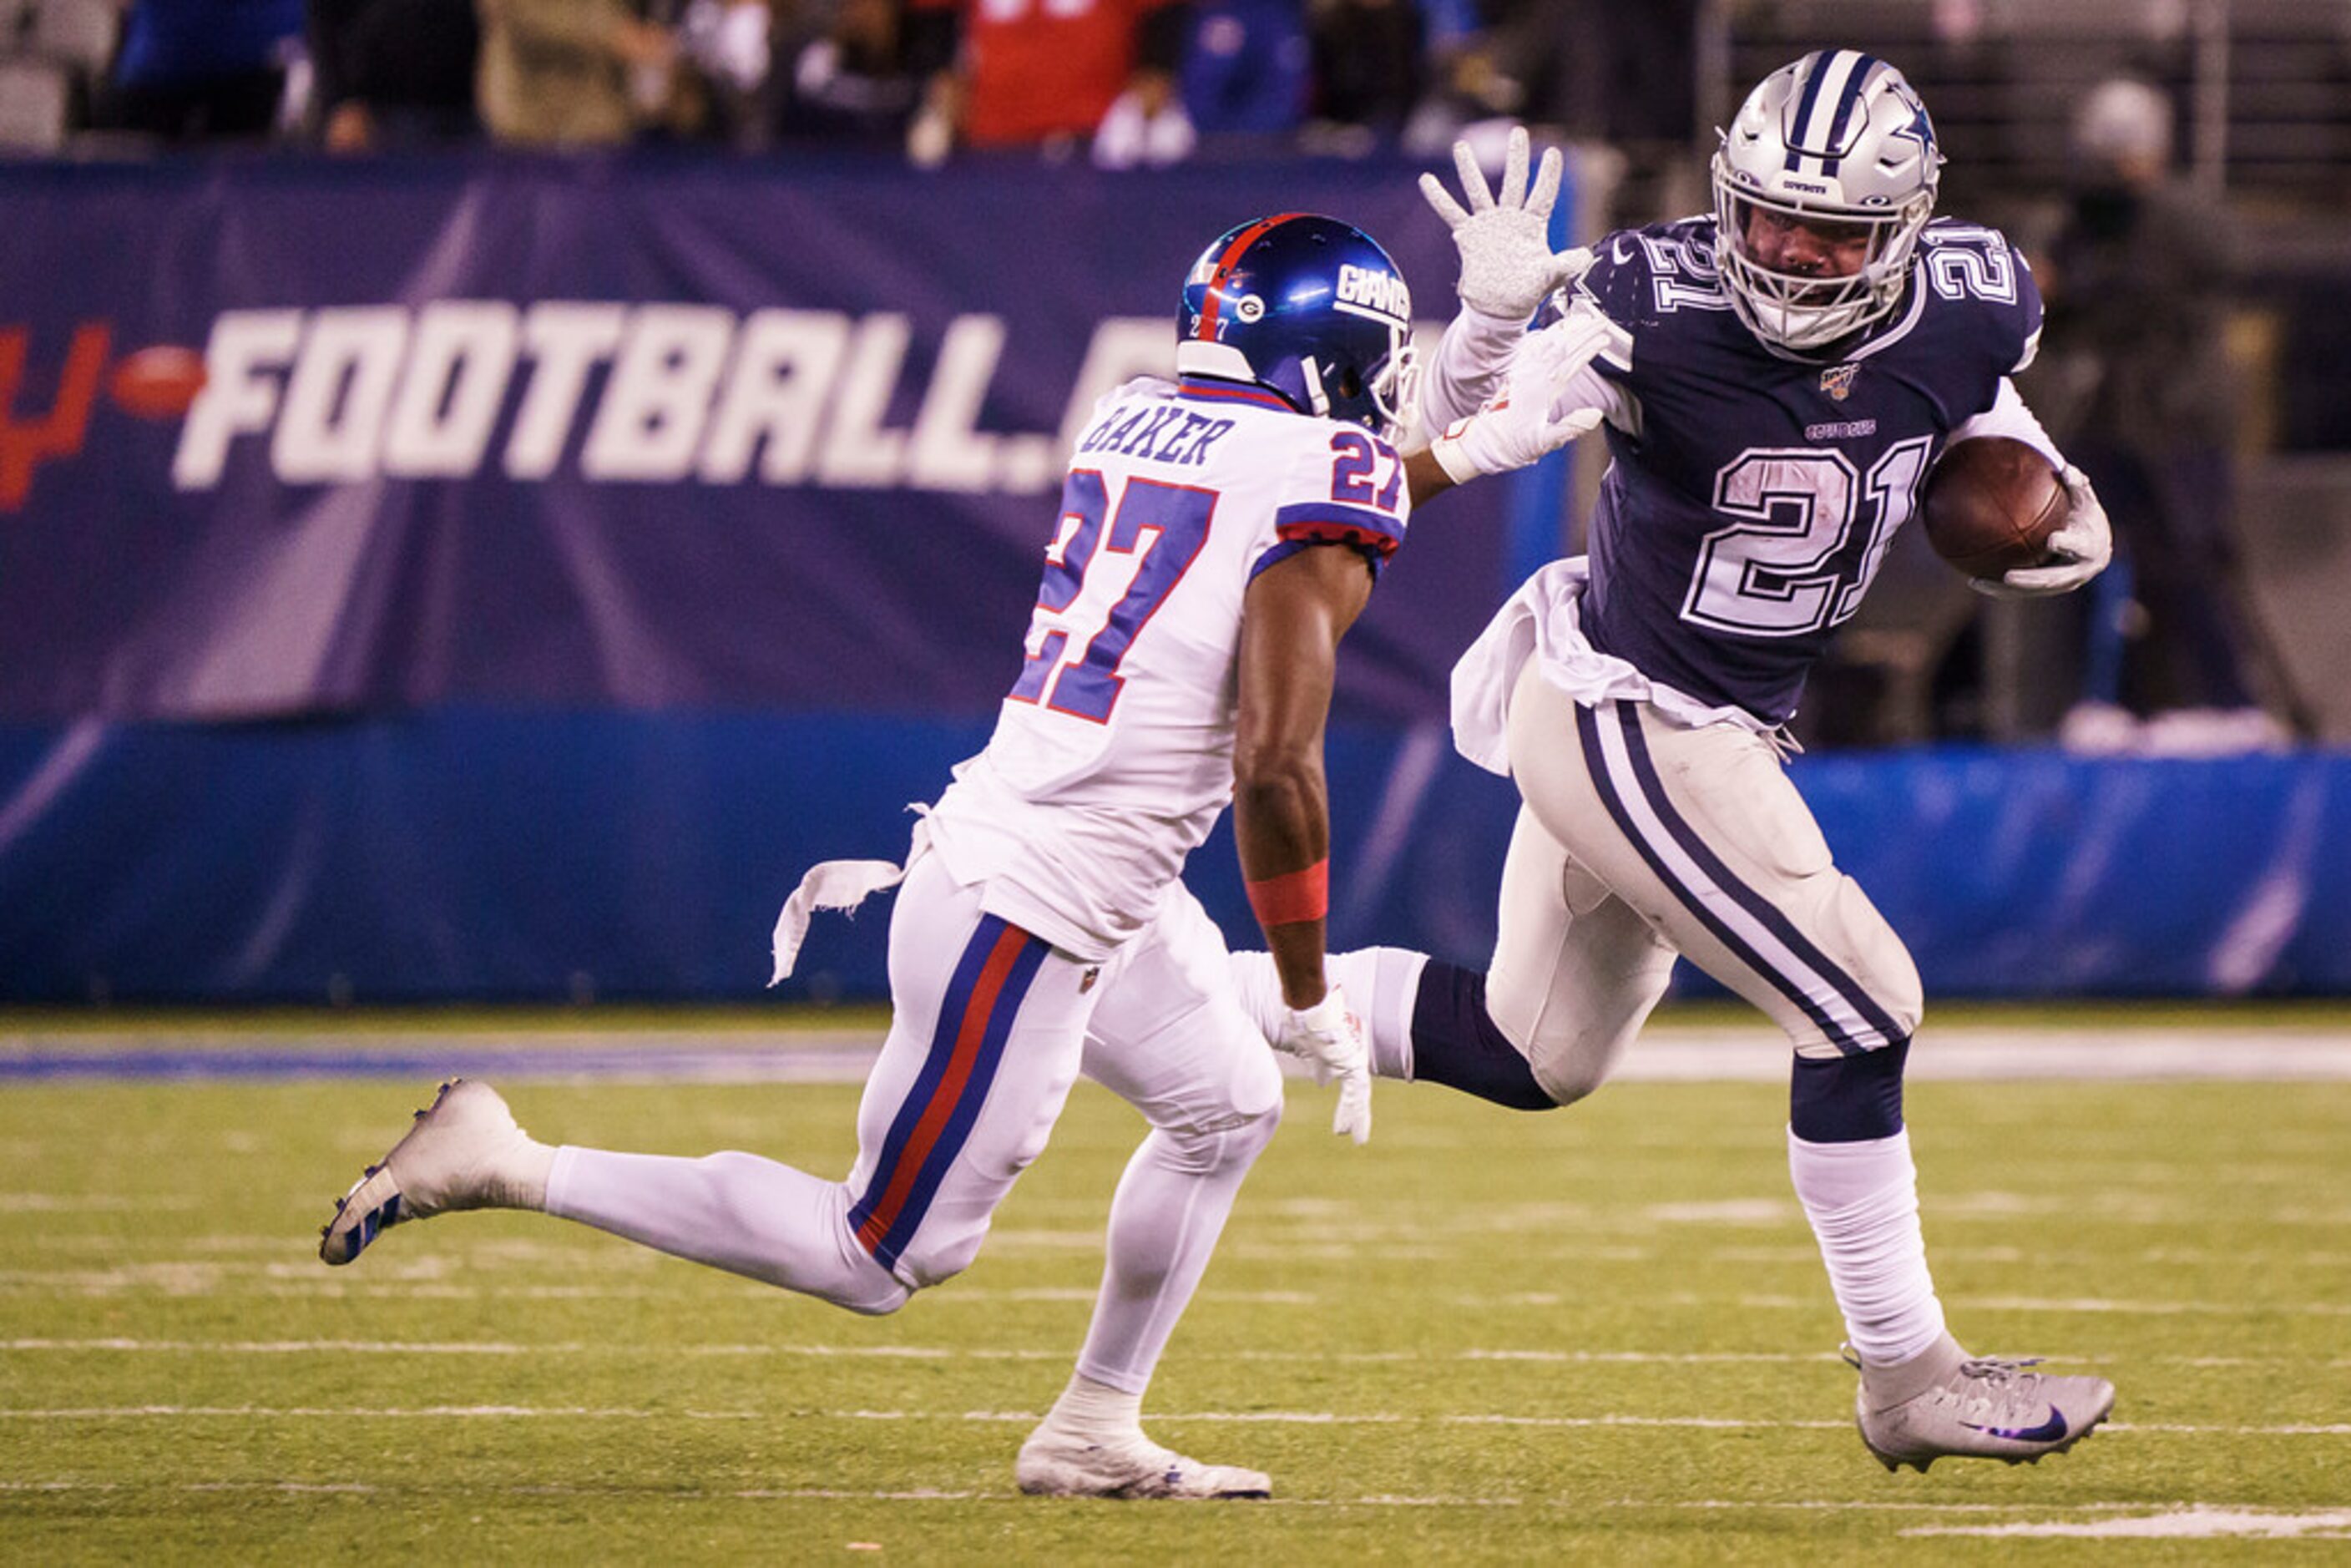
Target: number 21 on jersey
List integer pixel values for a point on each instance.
(1148, 543)
(1784, 566)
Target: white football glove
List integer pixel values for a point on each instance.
(1506, 262)
(1530, 415)
(2078, 551)
(1329, 1039)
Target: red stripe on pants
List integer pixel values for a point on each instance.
(969, 1033)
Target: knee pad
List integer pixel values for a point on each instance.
(1253, 1093)
(1237, 1129)
(1877, 959)
(929, 1262)
(878, 1302)
(1572, 1076)
(1560, 1064)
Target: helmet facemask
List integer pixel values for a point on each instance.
(1395, 389)
(1383, 396)
(1802, 310)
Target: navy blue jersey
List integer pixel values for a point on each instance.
(1743, 518)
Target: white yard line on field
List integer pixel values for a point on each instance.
(1231, 1418)
(2111, 1520)
(2201, 1522)
(123, 1345)
(428, 1281)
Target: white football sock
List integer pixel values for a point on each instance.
(733, 1211)
(1095, 1411)
(1863, 1201)
(1383, 984)
(1170, 1208)
(524, 1183)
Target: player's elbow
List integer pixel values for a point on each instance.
(1277, 779)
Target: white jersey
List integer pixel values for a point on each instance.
(1113, 754)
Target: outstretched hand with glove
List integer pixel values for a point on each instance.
(1504, 236)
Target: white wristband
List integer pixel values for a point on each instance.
(1451, 457)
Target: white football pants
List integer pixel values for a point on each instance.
(989, 1028)
(1639, 839)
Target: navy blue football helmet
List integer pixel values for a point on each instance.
(1309, 309)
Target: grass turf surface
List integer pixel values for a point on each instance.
(1599, 1333)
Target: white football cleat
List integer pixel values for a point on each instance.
(465, 1151)
(1056, 1464)
(1949, 1405)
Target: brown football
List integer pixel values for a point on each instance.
(1992, 503)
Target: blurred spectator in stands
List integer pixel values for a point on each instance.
(715, 88)
(199, 70)
(2135, 281)
(728, 49)
(1467, 84)
(394, 73)
(1368, 71)
(1613, 76)
(1249, 69)
(849, 81)
(1049, 74)
(570, 73)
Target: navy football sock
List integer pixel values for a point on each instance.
(1455, 1041)
(1848, 1099)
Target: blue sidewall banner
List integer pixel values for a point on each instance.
(497, 578)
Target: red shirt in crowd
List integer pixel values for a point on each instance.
(1042, 67)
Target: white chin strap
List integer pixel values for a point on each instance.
(1314, 393)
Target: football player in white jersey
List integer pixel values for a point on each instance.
(1215, 537)
(1795, 361)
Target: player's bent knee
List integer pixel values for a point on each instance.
(1253, 1093)
(926, 1263)
(852, 1279)
(1245, 1137)
(876, 1302)
(1570, 1076)
(1474, 1039)
(1570, 1058)
(1237, 1130)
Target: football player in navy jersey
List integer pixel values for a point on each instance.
(1793, 363)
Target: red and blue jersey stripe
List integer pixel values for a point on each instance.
(1203, 388)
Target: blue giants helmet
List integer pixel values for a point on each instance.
(1309, 309)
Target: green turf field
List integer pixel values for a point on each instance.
(1599, 1334)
